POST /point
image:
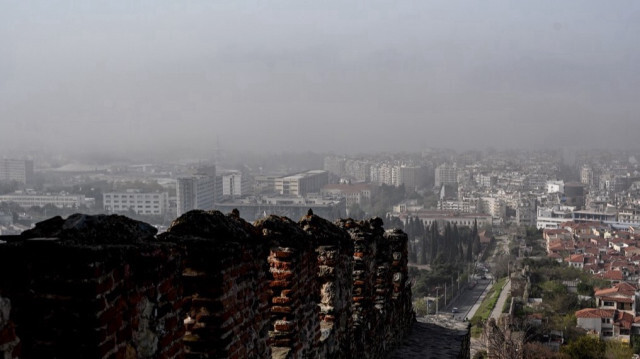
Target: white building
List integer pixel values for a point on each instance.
(555, 187)
(442, 217)
(551, 218)
(155, 203)
(40, 200)
(495, 207)
(235, 184)
(302, 183)
(353, 193)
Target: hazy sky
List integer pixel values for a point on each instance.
(342, 76)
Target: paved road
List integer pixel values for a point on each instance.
(497, 310)
(467, 299)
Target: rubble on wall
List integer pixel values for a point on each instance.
(97, 229)
(213, 285)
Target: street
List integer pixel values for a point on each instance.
(465, 301)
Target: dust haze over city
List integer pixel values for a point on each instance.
(128, 77)
(319, 179)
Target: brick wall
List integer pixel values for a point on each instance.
(334, 250)
(213, 285)
(293, 268)
(224, 276)
(98, 298)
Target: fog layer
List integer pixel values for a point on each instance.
(338, 76)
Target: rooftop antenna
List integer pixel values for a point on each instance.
(216, 158)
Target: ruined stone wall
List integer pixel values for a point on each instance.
(295, 326)
(213, 285)
(225, 286)
(96, 299)
(334, 250)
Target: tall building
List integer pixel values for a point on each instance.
(20, 171)
(586, 175)
(446, 174)
(411, 176)
(196, 192)
(385, 173)
(302, 183)
(235, 184)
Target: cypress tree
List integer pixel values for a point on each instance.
(434, 241)
(475, 238)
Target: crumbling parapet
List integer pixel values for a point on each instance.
(294, 292)
(225, 285)
(213, 285)
(400, 307)
(365, 236)
(334, 250)
(92, 286)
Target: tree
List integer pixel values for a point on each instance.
(421, 308)
(475, 237)
(434, 238)
(616, 349)
(425, 249)
(537, 350)
(507, 340)
(635, 343)
(585, 347)
(413, 255)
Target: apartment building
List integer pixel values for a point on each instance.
(155, 203)
(12, 170)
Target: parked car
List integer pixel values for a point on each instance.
(454, 310)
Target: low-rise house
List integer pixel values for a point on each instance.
(597, 321)
(606, 323)
(576, 260)
(622, 296)
(613, 276)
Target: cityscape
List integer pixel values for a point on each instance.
(575, 212)
(294, 180)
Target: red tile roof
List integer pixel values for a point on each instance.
(595, 313)
(623, 288)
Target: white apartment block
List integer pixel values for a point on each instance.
(235, 185)
(155, 203)
(40, 200)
